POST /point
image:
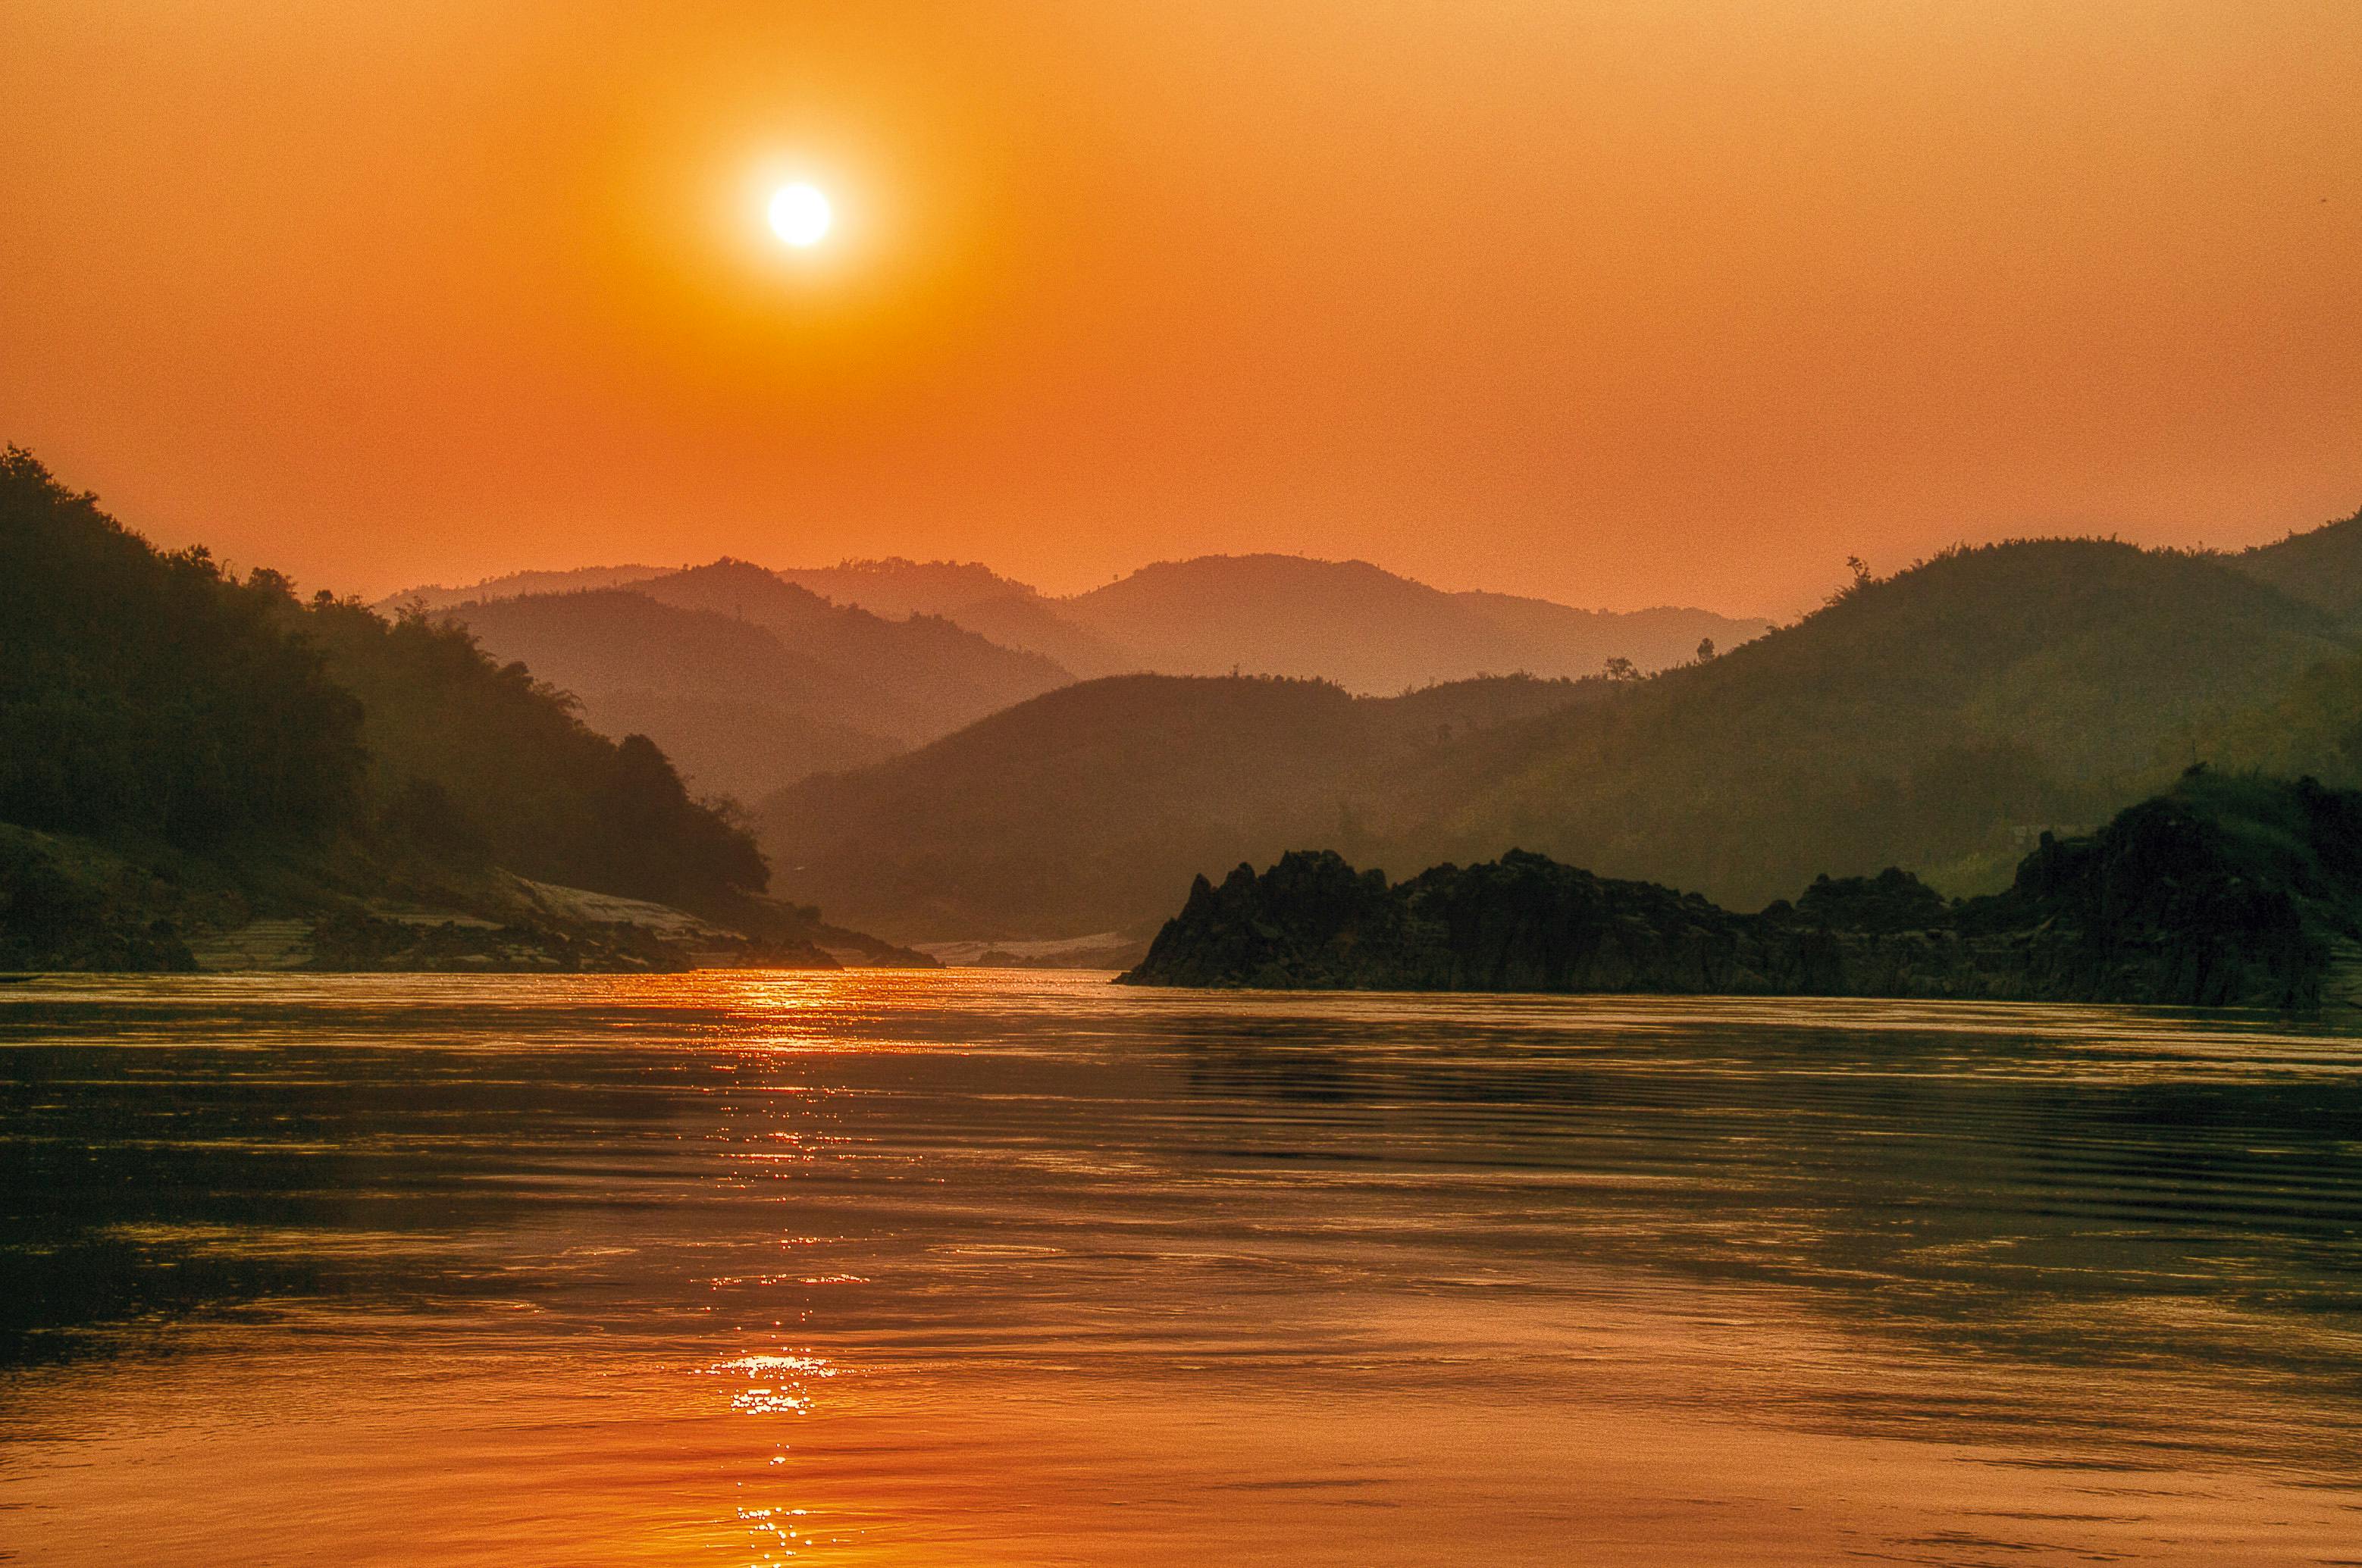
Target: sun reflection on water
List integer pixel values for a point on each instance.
(776, 1384)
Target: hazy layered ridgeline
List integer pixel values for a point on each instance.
(822, 670)
(739, 709)
(1371, 631)
(753, 683)
(200, 767)
(1939, 719)
(1368, 630)
(970, 595)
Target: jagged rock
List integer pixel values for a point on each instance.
(2226, 892)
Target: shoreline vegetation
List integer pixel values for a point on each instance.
(200, 770)
(2229, 891)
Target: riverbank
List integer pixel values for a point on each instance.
(74, 904)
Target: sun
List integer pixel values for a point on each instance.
(800, 215)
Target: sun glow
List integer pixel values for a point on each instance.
(800, 215)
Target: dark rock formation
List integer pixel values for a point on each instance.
(2227, 892)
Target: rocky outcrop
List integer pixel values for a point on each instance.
(2227, 892)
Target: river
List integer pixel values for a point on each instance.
(993, 1267)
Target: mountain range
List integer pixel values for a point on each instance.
(1941, 718)
(756, 678)
(188, 749)
(750, 681)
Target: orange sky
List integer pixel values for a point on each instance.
(1621, 304)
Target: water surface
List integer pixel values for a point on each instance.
(997, 1268)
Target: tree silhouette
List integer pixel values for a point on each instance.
(147, 695)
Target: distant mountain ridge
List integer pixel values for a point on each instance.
(1370, 630)
(917, 675)
(825, 669)
(725, 698)
(1935, 719)
(515, 584)
(752, 682)
(897, 586)
(969, 594)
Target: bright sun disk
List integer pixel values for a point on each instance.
(800, 215)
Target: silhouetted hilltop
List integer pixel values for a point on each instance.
(1564, 640)
(969, 595)
(920, 676)
(740, 709)
(1368, 629)
(185, 756)
(154, 693)
(898, 587)
(751, 681)
(515, 584)
(2320, 566)
(2226, 892)
(1079, 812)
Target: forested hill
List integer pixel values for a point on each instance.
(1084, 810)
(576, 579)
(1915, 721)
(2321, 566)
(1936, 719)
(214, 728)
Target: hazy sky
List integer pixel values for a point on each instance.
(1621, 304)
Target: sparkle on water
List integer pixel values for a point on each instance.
(978, 1268)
